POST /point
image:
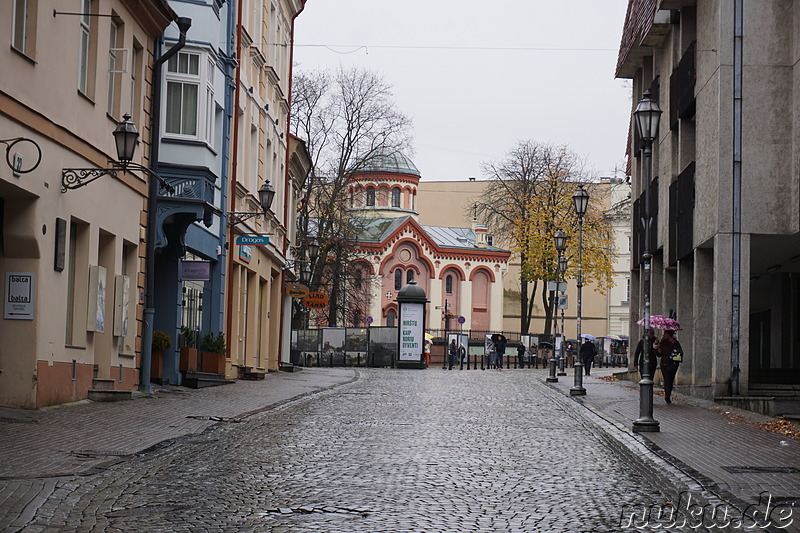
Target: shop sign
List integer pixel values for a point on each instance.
(253, 240)
(199, 270)
(296, 290)
(246, 253)
(18, 299)
(316, 300)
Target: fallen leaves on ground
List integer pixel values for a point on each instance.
(609, 378)
(782, 427)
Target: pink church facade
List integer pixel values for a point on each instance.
(460, 272)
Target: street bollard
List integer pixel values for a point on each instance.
(552, 377)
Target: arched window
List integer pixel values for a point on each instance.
(391, 317)
(370, 196)
(448, 284)
(356, 317)
(398, 279)
(358, 278)
(409, 276)
(396, 197)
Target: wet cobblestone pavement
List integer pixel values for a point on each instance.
(394, 451)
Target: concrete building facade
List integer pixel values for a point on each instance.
(725, 181)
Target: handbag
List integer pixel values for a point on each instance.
(676, 355)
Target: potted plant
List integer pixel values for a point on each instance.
(213, 356)
(161, 342)
(189, 352)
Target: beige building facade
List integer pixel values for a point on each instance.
(71, 260)
(601, 314)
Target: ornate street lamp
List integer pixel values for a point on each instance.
(266, 193)
(581, 201)
(562, 269)
(647, 116)
(560, 239)
(126, 137)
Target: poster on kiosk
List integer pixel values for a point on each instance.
(412, 330)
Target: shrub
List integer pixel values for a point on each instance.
(214, 343)
(161, 341)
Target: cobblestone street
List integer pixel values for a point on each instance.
(392, 451)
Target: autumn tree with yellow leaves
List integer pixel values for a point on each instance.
(528, 199)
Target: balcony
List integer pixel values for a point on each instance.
(192, 200)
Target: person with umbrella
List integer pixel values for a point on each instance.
(671, 355)
(587, 353)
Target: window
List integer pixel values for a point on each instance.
(136, 76)
(409, 276)
(115, 66)
(23, 26)
(77, 284)
(398, 279)
(396, 197)
(85, 64)
(358, 279)
(490, 240)
(183, 86)
(391, 317)
(211, 68)
(448, 284)
(628, 290)
(370, 196)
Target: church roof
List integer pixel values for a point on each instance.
(379, 229)
(392, 162)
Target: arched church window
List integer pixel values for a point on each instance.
(370, 196)
(448, 284)
(409, 276)
(391, 317)
(396, 197)
(358, 278)
(398, 279)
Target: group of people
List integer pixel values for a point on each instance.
(666, 350)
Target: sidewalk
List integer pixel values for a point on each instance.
(728, 451)
(77, 438)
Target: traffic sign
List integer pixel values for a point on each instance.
(461, 320)
(253, 240)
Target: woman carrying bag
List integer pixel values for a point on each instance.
(671, 354)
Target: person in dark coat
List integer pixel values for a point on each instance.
(638, 355)
(499, 348)
(521, 355)
(453, 353)
(588, 351)
(669, 366)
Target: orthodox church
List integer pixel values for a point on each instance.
(461, 273)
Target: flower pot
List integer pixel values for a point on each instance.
(156, 364)
(213, 362)
(188, 362)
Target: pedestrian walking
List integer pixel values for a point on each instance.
(670, 352)
(462, 354)
(500, 349)
(588, 351)
(638, 355)
(453, 353)
(521, 355)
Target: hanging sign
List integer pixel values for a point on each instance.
(253, 240)
(316, 300)
(296, 290)
(195, 270)
(246, 253)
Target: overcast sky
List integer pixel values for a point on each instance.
(476, 76)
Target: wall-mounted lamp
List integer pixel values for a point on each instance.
(125, 138)
(265, 196)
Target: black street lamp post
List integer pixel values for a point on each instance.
(647, 116)
(581, 201)
(562, 269)
(560, 239)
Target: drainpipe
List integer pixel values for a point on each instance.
(184, 23)
(287, 188)
(232, 181)
(736, 245)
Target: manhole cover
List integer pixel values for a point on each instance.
(141, 511)
(761, 469)
(306, 509)
(98, 453)
(216, 418)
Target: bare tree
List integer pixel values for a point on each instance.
(348, 119)
(528, 199)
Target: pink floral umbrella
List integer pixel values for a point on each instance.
(662, 322)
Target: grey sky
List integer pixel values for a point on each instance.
(476, 76)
